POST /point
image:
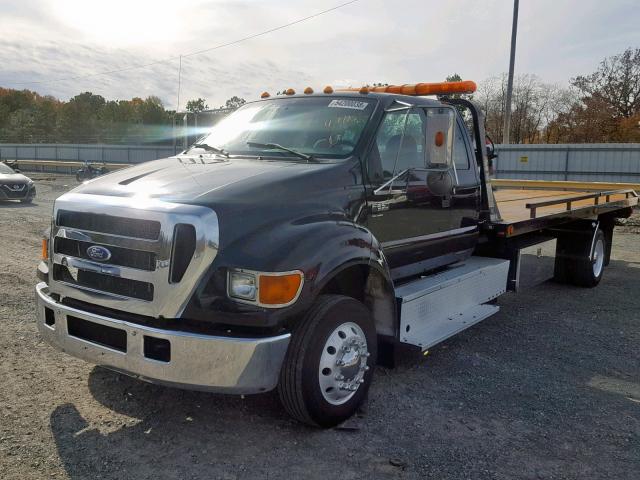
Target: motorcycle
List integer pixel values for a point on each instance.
(88, 171)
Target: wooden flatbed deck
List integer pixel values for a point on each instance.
(512, 204)
(525, 208)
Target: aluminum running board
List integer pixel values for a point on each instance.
(435, 307)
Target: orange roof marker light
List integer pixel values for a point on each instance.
(419, 89)
(265, 95)
(328, 89)
(364, 90)
(290, 91)
(308, 91)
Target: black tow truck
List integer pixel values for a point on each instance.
(301, 240)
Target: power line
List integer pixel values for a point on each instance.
(198, 52)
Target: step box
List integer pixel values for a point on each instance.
(435, 307)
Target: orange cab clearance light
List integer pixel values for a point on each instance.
(265, 95)
(328, 89)
(419, 89)
(308, 90)
(290, 91)
(279, 289)
(364, 90)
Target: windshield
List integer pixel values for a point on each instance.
(5, 168)
(317, 126)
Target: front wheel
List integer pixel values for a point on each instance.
(329, 365)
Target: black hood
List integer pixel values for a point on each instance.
(197, 180)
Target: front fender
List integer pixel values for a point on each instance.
(320, 246)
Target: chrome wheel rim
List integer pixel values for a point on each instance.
(598, 258)
(343, 363)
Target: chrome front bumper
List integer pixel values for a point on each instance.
(198, 362)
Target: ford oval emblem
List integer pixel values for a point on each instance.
(96, 252)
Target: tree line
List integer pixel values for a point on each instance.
(28, 117)
(599, 107)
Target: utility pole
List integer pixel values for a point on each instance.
(177, 104)
(179, 81)
(512, 60)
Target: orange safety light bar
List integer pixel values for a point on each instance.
(419, 89)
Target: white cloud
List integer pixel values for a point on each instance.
(370, 41)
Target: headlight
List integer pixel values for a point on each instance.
(242, 285)
(265, 289)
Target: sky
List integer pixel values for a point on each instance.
(399, 41)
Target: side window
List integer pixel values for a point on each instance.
(460, 153)
(394, 152)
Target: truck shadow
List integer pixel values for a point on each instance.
(138, 430)
(144, 418)
(14, 204)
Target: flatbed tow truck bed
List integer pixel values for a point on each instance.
(527, 206)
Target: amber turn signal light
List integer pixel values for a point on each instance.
(279, 289)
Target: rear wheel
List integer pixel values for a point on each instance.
(329, 365)
(587, 271)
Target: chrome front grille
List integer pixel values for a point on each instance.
(15, 190)
(110, 224)
(124, 257)
(147, 241)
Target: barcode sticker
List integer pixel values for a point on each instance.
(352, 104)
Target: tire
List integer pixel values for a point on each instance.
(587, 271)
(79, 177)
(309, 377)
(27, 200)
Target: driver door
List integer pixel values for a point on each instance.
(411, 180)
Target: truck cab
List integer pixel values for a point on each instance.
(291, 247)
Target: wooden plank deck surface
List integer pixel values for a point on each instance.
(512, 202)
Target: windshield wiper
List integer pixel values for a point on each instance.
(276, 146)
(209, 148)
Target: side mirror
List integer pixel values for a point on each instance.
(440, 183)
(491, 152)
(491, 149)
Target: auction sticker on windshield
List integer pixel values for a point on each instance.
(352, 104)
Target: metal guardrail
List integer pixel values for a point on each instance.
(582, 162)
(86, 152)
(55, 166)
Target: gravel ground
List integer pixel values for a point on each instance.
(547, 388)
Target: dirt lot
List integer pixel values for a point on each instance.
(548, 388)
